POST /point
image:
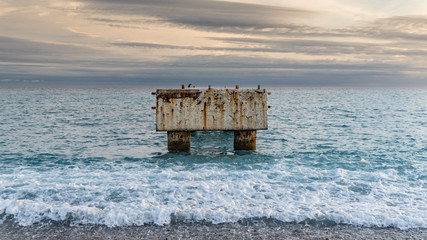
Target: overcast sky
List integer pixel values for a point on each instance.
(248, 42)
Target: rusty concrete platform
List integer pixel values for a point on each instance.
(211, 109)
(182, 111)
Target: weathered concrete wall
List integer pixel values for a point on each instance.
(245, 140)
(179, 141)
(211, 109)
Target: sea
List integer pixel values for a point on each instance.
(85, 156)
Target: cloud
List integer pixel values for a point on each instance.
(205, 13)
(163, 42)
(81, 70)
(399, 27)
(312, 47)
(21, 50)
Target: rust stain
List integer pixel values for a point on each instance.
(204, 116)
(255, 106)
(235, 100)
(179, 141)
(245, 140)
(163, 121)
(166, 95)
(157, 114)
(172, 110)
(222, 116)
(241, 115)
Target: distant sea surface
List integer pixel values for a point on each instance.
(331, 156)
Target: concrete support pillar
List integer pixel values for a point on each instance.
(245, 140)
(179, 141)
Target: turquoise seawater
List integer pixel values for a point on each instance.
(92, 156)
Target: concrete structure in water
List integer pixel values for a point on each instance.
(182, 111)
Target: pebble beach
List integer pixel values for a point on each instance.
(210, 231)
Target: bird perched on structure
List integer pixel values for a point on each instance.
(189, 85)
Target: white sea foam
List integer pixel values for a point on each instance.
(139, 196)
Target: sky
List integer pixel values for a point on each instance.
(333, 43)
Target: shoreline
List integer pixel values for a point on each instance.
(208, 231)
